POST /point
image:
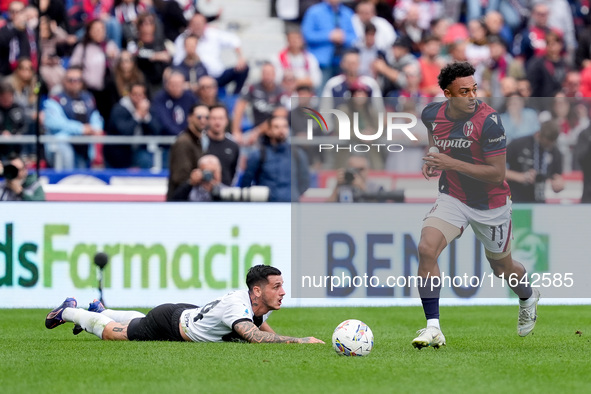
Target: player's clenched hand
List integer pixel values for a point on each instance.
(311, 340)
(429, 172)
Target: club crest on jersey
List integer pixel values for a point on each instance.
(468, 128)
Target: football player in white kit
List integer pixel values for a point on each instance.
(239, 315)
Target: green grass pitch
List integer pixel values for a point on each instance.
(483, 354)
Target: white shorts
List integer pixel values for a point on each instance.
(492, 227)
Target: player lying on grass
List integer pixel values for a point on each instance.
(239, 315)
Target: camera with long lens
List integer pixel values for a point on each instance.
(10, 172)
(240, 194)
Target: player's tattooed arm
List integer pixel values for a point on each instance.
(251, 333)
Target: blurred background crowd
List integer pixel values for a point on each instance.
(189, 69)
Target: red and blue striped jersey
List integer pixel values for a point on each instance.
(472, 140)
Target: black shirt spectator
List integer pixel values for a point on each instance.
(219, 145)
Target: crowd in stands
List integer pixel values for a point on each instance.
(154, 67)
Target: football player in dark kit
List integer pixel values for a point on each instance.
(467, 146)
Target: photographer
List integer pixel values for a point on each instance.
(18, 184)
(204, 182)
(351, 181)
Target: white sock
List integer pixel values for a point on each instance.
(122, 316)
(433, 323)
(91, 322)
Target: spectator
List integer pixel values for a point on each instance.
(70, 113)
(53, 10)
(298, 60)
(546, 73)
(513, 11)
(369, 52)
(83, 11)
(477, 50)
(151, 54)
(583, 157)
(207, 92)
(211, 43)
(328, 31)
(12, 119)
(365, 12)
(409, 27)
(338, 88)
(219, 145)
(172, 17)
(126, 12)
(127, 74)
(352, 181)
(391, 72)
(17, 40)
(271, 165)
(498, 66)
(131, 116)
(572, 118)
(172, 104)
(305, 98)
(95, 56)
(204, 183)
(51, 36)
(495, 25)
(24, 83)
(518, 120)
(18, 184)
(523, 87)
(430, 65)
(456, 52)
(560, 18)
(427, 10)
(192, 67)
(532, 41)
(412, 90)
(571, 87)
(533, 160)
(263, 97)
(187, 150)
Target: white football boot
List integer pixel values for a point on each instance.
(528, 315)
(430, 336)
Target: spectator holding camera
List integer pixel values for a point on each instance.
(18, 184)
(275, 164)
(187, 149)
(204, 183)
(351, 181)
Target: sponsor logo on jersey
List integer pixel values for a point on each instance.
(453, 143)
(468, 128)
(498, 139)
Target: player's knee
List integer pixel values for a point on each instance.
(427, 252)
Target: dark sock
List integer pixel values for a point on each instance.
(523, 290)
(430, 299)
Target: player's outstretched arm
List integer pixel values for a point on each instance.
(252, 334)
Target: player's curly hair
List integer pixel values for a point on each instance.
(453, 71)
(258, 274)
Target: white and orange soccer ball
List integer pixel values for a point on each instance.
(352, 338)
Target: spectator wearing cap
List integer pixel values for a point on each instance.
(547, 72)
(339, 88)
(297, 60)
(328, 31)
(369, 53)
(391, 71)
(365, 12)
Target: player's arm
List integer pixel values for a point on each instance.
(266, 327)
(492, 171)
(251, 333)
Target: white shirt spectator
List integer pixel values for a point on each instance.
(209, 49)
(385, 33)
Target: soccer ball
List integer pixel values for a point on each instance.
(352, 338)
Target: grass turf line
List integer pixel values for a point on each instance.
(483, 354)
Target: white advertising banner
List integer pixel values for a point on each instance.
(196, 252)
